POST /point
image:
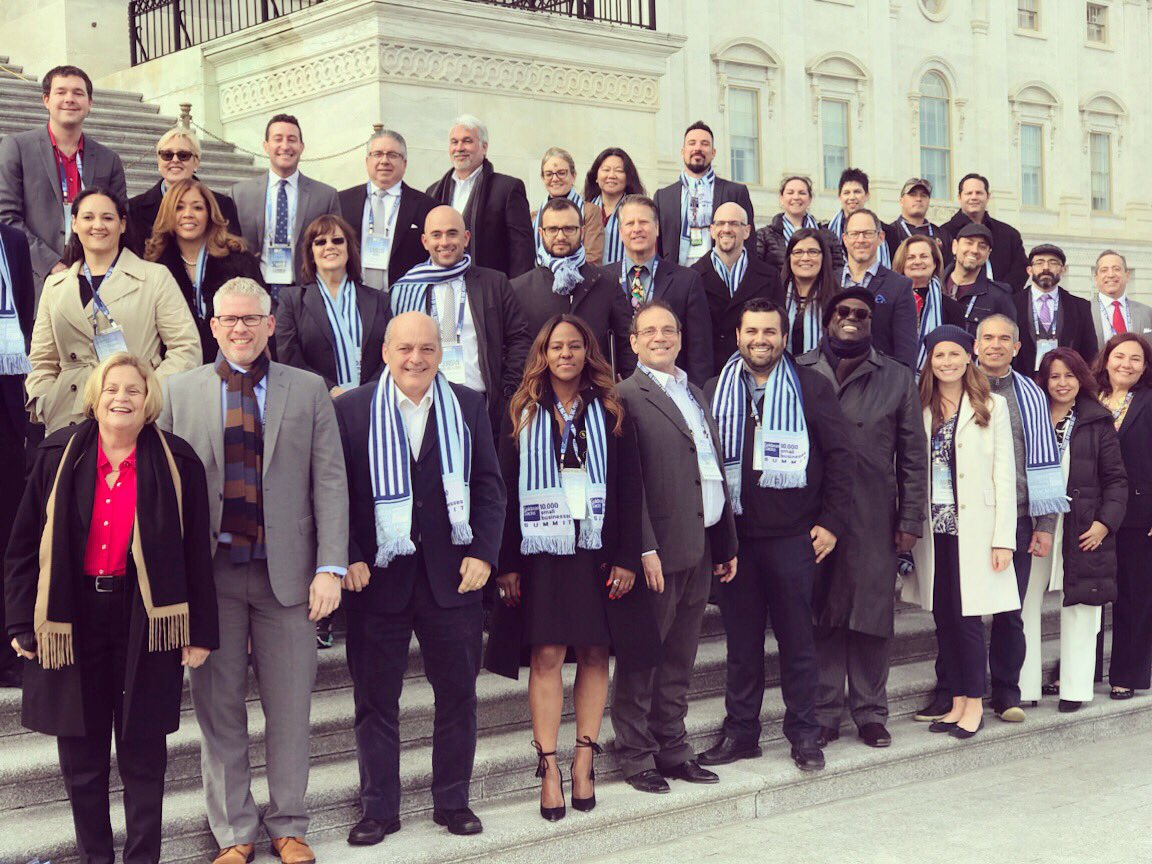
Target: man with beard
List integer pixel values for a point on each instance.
(1049, 316)
(789, 466)
(687, 207)
(854, 603)
(1007, 263)
(967, 279)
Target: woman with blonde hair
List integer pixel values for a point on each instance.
(558, 171)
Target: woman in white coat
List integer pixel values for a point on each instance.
(964, 555)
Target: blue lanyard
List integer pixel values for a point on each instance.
(198, 282)
(372, 215)
(908, 230)
(569, 426)
(62, 172)
(101, 307)
(462, 300)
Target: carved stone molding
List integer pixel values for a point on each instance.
(292, 83)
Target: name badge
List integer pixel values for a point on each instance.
(67, 222)
(706, 459)
(758, 449)
(453, 363)
(108, 342)
(278, 267)
(942, 484)
(696, 237)
(575, 481)
(377, 248)
(1043, 346)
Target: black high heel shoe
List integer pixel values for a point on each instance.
(586, 804)
(552, 814)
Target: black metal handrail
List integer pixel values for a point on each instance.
(634, 13)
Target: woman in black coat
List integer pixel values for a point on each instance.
(190, 237)
(1083, 560)
(109, 593)
(566, 581)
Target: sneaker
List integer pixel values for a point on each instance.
(934, 710)
(1015, 714)
(324, 638)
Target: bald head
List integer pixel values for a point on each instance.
(445, 238)
(729, 230)
(412, 352)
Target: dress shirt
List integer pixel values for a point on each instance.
(676, 386)
(462, 189)
(292, 190)
(646, 276)
(1053, 305)
(415, 416)
(113, 515)
(72, 178)
(391, 208)
(846, 280)
(1106, 313)
(468, 337)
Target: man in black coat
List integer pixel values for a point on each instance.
(967, 282)
(696, 194)
(1009, 265)
(563, 282)
(387, 213)
(731, 277)
(433, 591)
(1048, 315)
(494, 206)
(915, 197)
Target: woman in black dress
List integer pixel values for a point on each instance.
(571, 547)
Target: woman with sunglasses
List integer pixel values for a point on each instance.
(772, 239)
(612, 176)
(808, 283)
(558, 171)
(191, 238)
(177, 158)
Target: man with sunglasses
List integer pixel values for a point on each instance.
(854, 602)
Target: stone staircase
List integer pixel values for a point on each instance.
(35, 818)
(123, 122)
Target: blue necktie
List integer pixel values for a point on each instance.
(280, 236)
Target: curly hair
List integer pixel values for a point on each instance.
(217, 239)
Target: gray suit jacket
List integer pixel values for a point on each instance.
(673, 504)
(313, 199)
(305, 484)
(30, 195)
(1139, 315)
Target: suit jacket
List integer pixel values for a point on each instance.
(1009, 262)
(981, 299)
(498, 218)
(145, 301)
(1134, 434)
(598, 300)
(313, 199)
(1073, 328)
(15, 247)
(673, 513)
(304, 337)
(304, 483)
(760, 280)
(895, 324)
(142, 210)
(30, 196)
(668, 213)
(1139, 316)
(391, 588)
(682, 289)
(413, 209)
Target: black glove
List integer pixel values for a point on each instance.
(27, 642)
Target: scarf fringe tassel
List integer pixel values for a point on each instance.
(14, 364)
(590, 536)
(783, 480)
(548, 546)
(168, 628)
(54, 645)
(394, 549)
(461, 534)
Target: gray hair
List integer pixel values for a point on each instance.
(242, 286)
(391, 321)
(558, 153)
(395, 136)
(1105, 254)
(1000, 319)
(180, 132)
(471, 121)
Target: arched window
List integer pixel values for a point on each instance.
(935, 131)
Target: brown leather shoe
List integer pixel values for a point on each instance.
(293, 850)
(241, 853)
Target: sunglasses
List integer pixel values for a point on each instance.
(324, 241)
(854, 313)
(178, 155)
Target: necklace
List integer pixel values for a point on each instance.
(1120, 409)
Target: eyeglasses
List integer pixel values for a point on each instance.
(230, 321)
(853, 312)
(806, 253)
(729, 224)
(860, 235)
(390, 155)
(324, 241)
(178, 155)
(666, 332)
(551, 231)
(555, 175)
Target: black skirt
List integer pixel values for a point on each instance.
(563, 599)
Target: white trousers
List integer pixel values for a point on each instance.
(1079, 625)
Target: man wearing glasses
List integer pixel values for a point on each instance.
(894, 321)
(390, 213)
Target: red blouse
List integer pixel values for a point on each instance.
(113, 513)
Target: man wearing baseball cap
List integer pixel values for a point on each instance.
(967, 281)
(915, 196)
(1050, 316)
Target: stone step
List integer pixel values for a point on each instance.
(15, 90)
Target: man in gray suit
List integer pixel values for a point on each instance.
(276, 207)
(689, 535)
(1114, 312)
(268, 438)
(43, 170)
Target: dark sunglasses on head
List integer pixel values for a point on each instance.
(324, 241)
(178, 155)
(858, 314)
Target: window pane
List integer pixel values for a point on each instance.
(1101, 158)
(1027, 15)
(1031, 165)
(834, 135)
(1097, 23)
(744, 133)
(935, 132)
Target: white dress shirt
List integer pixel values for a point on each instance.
(463, 189)
(1106, 313)
(468, 337)
(415, 416)
(293, 192)
(1053, 305)
(373, 277)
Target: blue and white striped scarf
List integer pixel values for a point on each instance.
(812, 327)
(613, 245)
(409, 293)
(546, 524)
(732, 278)
(390, 462)
(930, 319)
(789, 229)
(572, 196)
(836, 226)
(347, 331)
(704, 187)
(565, 271)
(13, 359)
(785, 431)
(1046, 484)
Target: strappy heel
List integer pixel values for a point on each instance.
(552, 814)
(586, 804)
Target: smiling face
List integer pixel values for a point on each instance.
(284, 146)
(971, 253)
(611, 176)
(192, 216)
(847, 323)
(241, 344)
(949, 362)
(729, 228)
(806, 259)
(638, 231)
(1125, 365)
(698, 151)
(98, 225)
(657, 339)
(760, 339)
(852, 197)
(566, 353)
(68, 102)
(466, 150)
(120, 406)
(861, 238)
(412, 352)
(996, 345)
(385, 162)
(445, 238)
(558, 177)
(330, 251)
(181, 162)
(1063, 386)
(1111, 276)
(919, 264)
(795, 199)
(974, 199)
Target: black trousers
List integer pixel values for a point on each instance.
(774, 583)
(1131, 664)
(450, 644)
(960, 637)
(85, 762)
(13, 468)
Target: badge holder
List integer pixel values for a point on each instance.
(377, 248)
(278, 268)
(575, 483)
(1043, 346)
(452, 364)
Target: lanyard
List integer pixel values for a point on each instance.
(1055, 306)
(691, 398)
(198, 281)
(101, 307)
(62, 168)
(569, 430)
(388, 211)
(908, 231)
(462, 300)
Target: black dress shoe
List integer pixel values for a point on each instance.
(691, 772)
(934, 710)
(1122, 693)
(826, 736)
(1068, 706)
(941, 726)
(964, 734)
(550, 814)
(808, 757)
(649, 781)
(1051, 689)
(462, 821)
(584, 805)
(875, 735)
(728, 750)
(369, 832)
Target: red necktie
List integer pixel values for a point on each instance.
(1118, 325)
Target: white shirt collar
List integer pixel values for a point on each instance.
(678, 376)
(469, 178)
(1108, 301)
(274, 178)
(391, 191)
(1037, 294)
(424, 403)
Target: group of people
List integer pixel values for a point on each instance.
(601, 414)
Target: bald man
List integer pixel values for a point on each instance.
(731, 278)
(423, 540)
(484, 335)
